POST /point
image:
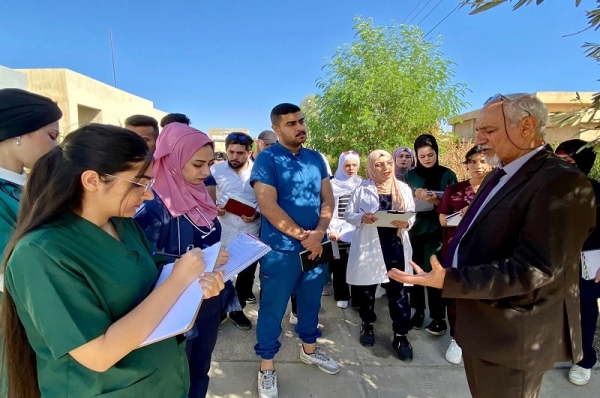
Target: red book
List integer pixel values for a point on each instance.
(240, 207)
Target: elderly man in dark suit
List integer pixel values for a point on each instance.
(513, 264)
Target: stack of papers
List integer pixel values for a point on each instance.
(243, 251)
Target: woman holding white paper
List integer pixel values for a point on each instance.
(456, 200)
(375, 250)
(576, 152)
(79, 277)
(182, 217)
(345, 181)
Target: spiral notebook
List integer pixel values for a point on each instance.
(243, 251)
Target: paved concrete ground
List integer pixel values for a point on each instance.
(366, 372)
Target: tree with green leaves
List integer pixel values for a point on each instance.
(382, 90)
(586, 113)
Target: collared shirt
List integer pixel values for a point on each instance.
(297, 179)
(510, 169)
(13, 177)
(230, 183)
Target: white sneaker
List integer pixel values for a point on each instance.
(267, 384)
(342, 303)
(293, 319)
(380, 292)
(454, 353)
(579, 376)
(322, 361)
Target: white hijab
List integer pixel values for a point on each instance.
(342, 183)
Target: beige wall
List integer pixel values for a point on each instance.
(84, 100)
(464, 125)
(218, 135)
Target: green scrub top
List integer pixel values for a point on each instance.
(70, 281)
(10, 194)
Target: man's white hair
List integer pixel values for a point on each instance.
(521, 105)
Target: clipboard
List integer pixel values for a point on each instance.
(385, 217)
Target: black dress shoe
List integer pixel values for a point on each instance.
(402, 347)
(437, 327)
(367, 338)
(417, 320)
(240, 320)
(251, 300)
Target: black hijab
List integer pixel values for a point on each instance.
(584, 159)
(22, 112)
(433, 175)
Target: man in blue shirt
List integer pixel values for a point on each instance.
(296, 201)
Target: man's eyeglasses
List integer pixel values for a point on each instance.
(241, 137)
(146, 186)
(501, 98)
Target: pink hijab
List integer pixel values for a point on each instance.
(174, 147)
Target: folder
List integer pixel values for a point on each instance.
(182, 315)
(243, 252)
(240, 206)
(385, 217)
(326, 257)
(454, 219)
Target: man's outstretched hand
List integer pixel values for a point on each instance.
(435, 278)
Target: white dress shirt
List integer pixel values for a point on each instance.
(13, 177)
(510, 170)
(230, 183)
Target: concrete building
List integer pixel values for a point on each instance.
(10, 78)
(464, 125)
(82, 99)
(218, 135)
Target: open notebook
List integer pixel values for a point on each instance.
(182, 315)
(243, 251)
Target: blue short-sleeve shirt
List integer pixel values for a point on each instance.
(297, 179)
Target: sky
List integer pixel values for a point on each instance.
(226, 63)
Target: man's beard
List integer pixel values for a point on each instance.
(492, 160)
(239, 165)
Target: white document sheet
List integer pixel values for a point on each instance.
(385, 217)
(590, 263)
(182, 315)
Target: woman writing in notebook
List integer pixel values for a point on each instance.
(375, 250)
(182, 216)
(455, 201)
(79, 277)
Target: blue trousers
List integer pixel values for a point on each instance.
(280, 276)
(199, 348)
(590, 293)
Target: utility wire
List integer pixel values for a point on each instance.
(413, 18)
(440, 2)
(443, 19)
(413, 10)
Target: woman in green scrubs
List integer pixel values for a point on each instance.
(428, 180)
(28, 130)
(79, 277)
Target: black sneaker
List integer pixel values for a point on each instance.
(367, 338)
(240, 320)
(437, 327)
(402, 347)
(417, 320)
(251, 300)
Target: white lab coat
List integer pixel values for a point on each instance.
(365, 263)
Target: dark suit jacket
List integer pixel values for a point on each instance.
(517, 281)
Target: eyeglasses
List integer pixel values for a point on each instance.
(501, 98)
(146, 186)
(241, 137)
(350, 152)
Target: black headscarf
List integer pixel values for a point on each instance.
(584, 159)
(22, 112)
(432, 175)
